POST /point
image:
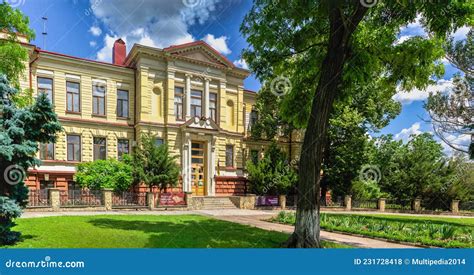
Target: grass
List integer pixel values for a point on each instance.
(144, 231)
(432, 231)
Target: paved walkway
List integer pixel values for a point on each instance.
(254, 218)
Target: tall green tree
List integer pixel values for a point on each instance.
(153, 165)
(328, 49)
(419, 168)
(453, 114)
(13, 56)
(21, 129)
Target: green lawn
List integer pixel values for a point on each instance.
(432, 231)
(144, 231)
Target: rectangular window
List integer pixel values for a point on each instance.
(213, 106)
(123, 148)
(46, 184)
(100, 148)
(196, 103)
(98, 99)
(47, 151)
(122, 103)
(73, 97)
(73, 148)
(72, 185)
(254, 156)
(178, 103)
(229, 155)
(159, 141)
(45, 86)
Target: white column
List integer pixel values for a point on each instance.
(186, 164)
(211, 163)
(207, 113)
(188, 96)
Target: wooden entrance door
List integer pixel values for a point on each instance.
(198, 174)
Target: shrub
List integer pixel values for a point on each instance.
(365, 190)
(272, 175)
(9, 210)
(154, 165)
(109, 173)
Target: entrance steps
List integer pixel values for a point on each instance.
(217, 203)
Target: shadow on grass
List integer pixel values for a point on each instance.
(195, 233)
(408, 220)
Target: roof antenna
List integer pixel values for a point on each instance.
(44, 33)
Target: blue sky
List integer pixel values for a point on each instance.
(88, 28)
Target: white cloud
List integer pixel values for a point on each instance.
(407, 97)
(105, 54)
(218, 43)
(92, 43)
(241, 63)
(459, 141)
(96, 31)
(461, 33)
(411, 30)
(405, 134)
(158, 23)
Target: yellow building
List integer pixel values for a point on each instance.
(189, 96)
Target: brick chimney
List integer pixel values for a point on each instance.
(119, 52)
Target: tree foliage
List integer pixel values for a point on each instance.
(110, 173)
(21, 129)
(154, 165)
(452, 114)
(419, 169)
(13, 55)
(272, 175)
(335, 49)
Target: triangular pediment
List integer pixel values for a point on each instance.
(201, 124)
(201, 52)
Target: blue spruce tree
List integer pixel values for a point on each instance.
(21, 131)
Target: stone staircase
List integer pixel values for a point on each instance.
(217, 203)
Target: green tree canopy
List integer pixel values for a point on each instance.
(154, 165)
(272, 175)
(334, 49)
(13, 56)
(110, 173)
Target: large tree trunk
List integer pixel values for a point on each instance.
(307, 228)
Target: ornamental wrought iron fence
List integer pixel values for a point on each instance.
(436, 203)
(466, 206)
(127, 199)
(398, 204)
(81, 197)
(336, 202)
(38, 198)
(366, 204)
